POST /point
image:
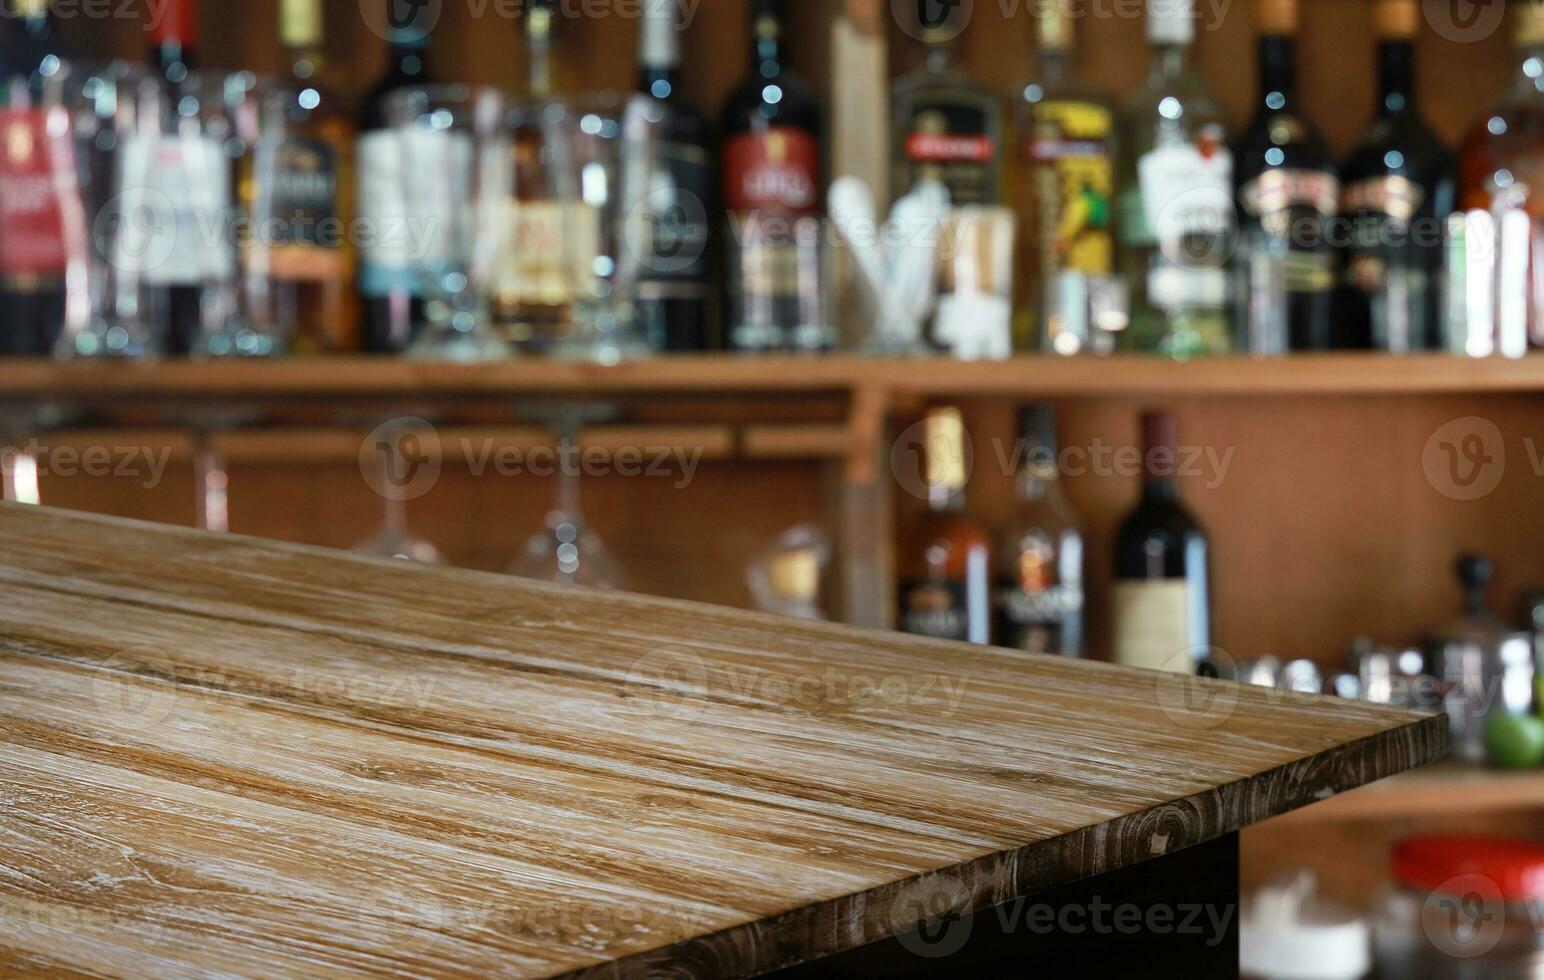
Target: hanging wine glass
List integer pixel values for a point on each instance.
(211, 485)
(566, 550)
(394, 540)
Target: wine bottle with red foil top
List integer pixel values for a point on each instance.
(173, 36)
(32, 241)
(945, 125)
(772, 184)
(178, 288)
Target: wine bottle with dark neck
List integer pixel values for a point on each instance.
(674, 297)
(32, 240)
(177, 293)
(1399, 186)
(773, 195)
(1288, 191)
(1162, 600)
(392, 305)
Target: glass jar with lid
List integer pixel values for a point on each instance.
(1462, 907)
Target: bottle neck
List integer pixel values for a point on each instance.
(767, 46)
(173, 39)
(1159, 487)
(939, 57)
(1169, 60)
(538, 40)
(1396, 74)
(1055, 64)
(659, 54)
(943, 499)
(1278, 77)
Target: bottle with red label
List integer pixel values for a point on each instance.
(773, 195)
(946, 126)
(32, 240)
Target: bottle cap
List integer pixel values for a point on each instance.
(1171, 21)
(659, 44)
(1530, 24)
(1276, 17)
(1159, 431)
(1432, 864)
(944, 431)
(1398, 20)
(1037, 430)
(794, 575)
(1055, 18)
(30, 8)
(178, 23)
(300, 23)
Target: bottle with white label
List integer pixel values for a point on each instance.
(392, 306)
(1175, 212)
(1162, 601)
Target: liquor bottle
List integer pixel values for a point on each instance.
(533, 281)
(1176, 220)
(1398, 189)
(1502, 189)
(1288, 192)
(1066, 131)
(674, 300)
(1162, 602)
(392, 306)
(173, 38)
(773, 197)
(32, 241)
(306, 186)
(176, 299)
(1040, 554)
(944, 125)
(945, 566)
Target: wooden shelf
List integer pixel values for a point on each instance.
(1441, 790)
(362, 378)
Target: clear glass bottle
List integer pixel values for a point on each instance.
(1040, 553)
(1064, 193)
(1176, 218)
(1502, 172)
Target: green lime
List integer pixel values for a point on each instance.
(1515, 741)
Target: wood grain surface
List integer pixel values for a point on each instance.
(221, 756)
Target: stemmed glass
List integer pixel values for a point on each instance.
(394, 540)
(566, 550)
(455, 148)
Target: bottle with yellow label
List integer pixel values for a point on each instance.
(1068, 295)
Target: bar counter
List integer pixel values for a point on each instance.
(227, 756)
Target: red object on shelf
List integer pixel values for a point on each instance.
(1433, 863)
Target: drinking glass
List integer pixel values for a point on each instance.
(394, 540)
(455, 149)
(566, 550)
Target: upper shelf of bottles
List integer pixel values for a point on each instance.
(324, 378)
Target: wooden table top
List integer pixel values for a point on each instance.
(220, 754)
